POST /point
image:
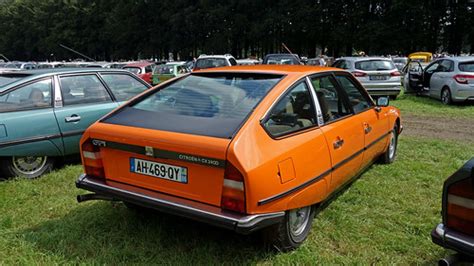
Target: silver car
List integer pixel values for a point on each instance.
(377, 74)
(448, 79)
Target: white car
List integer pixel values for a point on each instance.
(378, 75)
(211, 61)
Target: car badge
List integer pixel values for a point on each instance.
(149, 151)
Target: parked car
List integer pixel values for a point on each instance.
(318, 61)
(212, 61)
(456, 231)
(247, 62)
(377, 74)
(422, 57)
(400, 62)
(142, 69)
(244, 148)
(168, 71)
(43, 113)
(281, 59)
(448, 79)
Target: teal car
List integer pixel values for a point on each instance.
(43, 113)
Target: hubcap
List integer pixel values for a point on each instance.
(298, 220)
(391, 148)
(445, 97)
(29, 165)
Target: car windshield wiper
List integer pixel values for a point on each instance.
(381, 69)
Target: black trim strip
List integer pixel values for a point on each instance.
(158, 153)
(28, 140)
(72, 133)
(318, 178)
(284, 194)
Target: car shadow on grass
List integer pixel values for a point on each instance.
(104, 232)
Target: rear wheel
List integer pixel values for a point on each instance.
(27, 166)
(292, 230)
(446, 96)
(389, 156)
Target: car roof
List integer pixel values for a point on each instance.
(138, 64)
(271, 69)
(460, 58)
(27, 75)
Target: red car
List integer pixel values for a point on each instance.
(142, 69)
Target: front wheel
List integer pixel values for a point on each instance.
(27, 166)
(292, 230)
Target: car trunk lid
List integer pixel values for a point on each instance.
(173, 163)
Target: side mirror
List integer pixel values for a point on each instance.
(383, 101)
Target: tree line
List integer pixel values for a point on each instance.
(133, 29)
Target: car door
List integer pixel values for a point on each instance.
(428, 73)
(439, 77)
(373, 123)
(27, 123)
(344, 134)
(84, 100)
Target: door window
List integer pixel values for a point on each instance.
(123, 86)
(83, 89)
(432, 68)
(445, 66)
(333, 104)
(32, 96)
(358, 100)
(293, 112)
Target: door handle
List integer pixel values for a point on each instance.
(338, 143)
(367, 128)
(72, 118)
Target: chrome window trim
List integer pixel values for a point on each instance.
(58, 98)
(319, 113)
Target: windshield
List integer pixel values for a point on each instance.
(210, 63)
(374, 65)
(211, 104)
(134, 70)
(466, 66)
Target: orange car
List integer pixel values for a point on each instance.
(244, 147)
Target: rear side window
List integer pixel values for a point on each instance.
(466, 67)
(293, 112)
(123, 86)
(83, 89)
(232, 62)
(148, 69)
(375, 65)
(32, 96)
(210, 104)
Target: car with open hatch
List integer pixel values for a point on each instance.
(244, 148)
(43, 113)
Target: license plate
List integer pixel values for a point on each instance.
(378, 77)
(159, 170)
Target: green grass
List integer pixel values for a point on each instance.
(424, 106)
(385, 217)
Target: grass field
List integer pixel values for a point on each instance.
(385, 217)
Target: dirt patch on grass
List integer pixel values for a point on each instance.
(461, 129)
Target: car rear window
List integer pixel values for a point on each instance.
(374, 65)
(210, 63)
(209, 104)
(466, 66)
(134, 70)
(282, 60)
(164, 70)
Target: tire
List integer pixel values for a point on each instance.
(446, 96)
(285, 237)
(391, 153)
(29, 167)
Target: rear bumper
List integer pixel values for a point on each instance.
(240, 223)
(382, 88)
(454, 240)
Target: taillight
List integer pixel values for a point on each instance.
(233, 190)
(463, 79)
(460, 206)
(92, 160)
(395, 74)
(359, 74)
